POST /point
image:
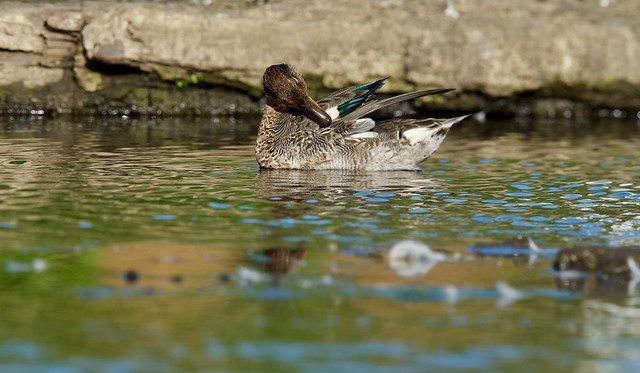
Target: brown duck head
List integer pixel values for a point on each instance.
(287, 92)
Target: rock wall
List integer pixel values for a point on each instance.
(510, 57)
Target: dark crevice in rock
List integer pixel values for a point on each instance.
(112, 69)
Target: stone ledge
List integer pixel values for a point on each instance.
(182, 58)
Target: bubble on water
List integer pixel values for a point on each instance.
(619, 114)
(480, 116)
(39, 265)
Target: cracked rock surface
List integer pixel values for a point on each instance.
(177, 58)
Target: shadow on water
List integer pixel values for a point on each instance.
(158, 245)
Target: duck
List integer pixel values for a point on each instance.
(335, 132)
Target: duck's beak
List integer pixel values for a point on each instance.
(314, 112)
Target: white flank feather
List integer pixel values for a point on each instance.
(416, 135)
(363, 135)
(362, 125)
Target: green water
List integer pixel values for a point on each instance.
(158, 246)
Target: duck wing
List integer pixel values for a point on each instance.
(340, 103)
(401, 124)
(374, 105)
(354, 126)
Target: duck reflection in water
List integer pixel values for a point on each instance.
(301, 185)
(281, 261)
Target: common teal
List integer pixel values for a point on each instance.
(297, 132)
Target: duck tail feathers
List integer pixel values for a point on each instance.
(451, 121)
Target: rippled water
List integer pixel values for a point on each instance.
(158, 246)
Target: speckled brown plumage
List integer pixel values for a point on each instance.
(297, 133)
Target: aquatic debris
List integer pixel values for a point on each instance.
(611, 260)
(516, 247)
(597, 268)
(411, 258)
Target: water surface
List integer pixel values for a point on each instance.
(158, 246)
